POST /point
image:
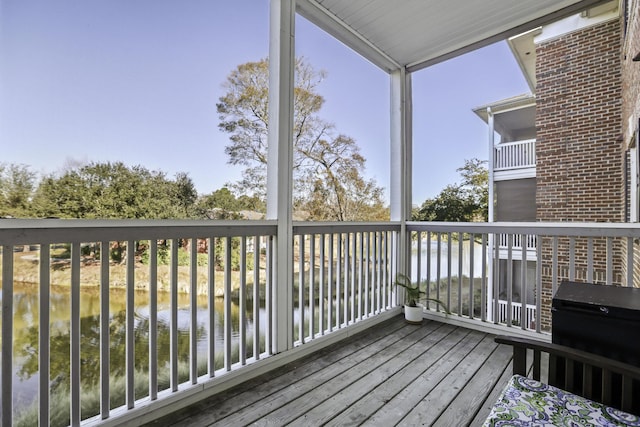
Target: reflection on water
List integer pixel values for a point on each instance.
(26, 315)
(432, 257)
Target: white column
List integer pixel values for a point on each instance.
(491, 240)
(280, 161)
(401, 152)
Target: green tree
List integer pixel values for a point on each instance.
(114, 190)
(465, 202)
(221, 204)
(185, 193)
(325, 167)
(17, 183)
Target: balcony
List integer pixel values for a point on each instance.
(191, 324)
(514, 160)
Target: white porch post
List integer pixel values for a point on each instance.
(280, 163)
(491, 249)
(401, 152)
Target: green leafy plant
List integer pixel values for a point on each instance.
(413, 293)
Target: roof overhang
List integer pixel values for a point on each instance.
(415, 34)
(510, 115)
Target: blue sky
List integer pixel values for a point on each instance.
(138, 81)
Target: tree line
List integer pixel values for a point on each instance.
(112, 191)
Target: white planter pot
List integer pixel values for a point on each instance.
(413, 314)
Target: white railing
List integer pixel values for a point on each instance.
(516, 313)
(203, 322)
(530, 241)
(345, 273)
(454, 265)
(173, 305)
(514, 155)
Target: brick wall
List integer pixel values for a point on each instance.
(580, 169)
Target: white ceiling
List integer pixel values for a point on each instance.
(417, 33)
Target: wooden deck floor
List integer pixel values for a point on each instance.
(394, 374)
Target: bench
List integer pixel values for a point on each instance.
(591, 389)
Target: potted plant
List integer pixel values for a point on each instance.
(412, 308)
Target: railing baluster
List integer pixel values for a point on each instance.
(130, 319)
(242, 303)
(496, 279)
(448, 270)
(44, 370)
(378, 263)
(428, 260)
(339, 274)
(460, 258)
(227, 304)
(509, 279)
(523, 283)
(572, 258)
(554, 266)
(269, 269)
(354, 257)
(360, 273)
(173, 324)
(321, 286)
(256, 297)
(382, 272)
(438, 269)
(539, 286)
(590, 259)
(312, 285)
(629, 268)
(346, 279)
(330, 285)
(153, 316)
(367, 280)
(211, 303)
(301, 285)
(471, 273)
(609, 260)
(76, 408)
(193, 312)
(483, 290)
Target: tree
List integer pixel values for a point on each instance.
(339, 192)
(114, 190)
(221, 204)
(17, 184)
(465, 202)
(325, 167)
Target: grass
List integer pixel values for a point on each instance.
(27, 270)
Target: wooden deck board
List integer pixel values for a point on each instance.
(394, 374)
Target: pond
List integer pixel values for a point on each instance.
(26, 315)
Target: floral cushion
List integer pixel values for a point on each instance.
(526, 402)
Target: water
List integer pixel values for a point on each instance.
(455, 261)
(26, 315)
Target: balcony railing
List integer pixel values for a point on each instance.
(455, 265)
(516, 313)
(514, 155)
(211, 310)
(208, 308)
